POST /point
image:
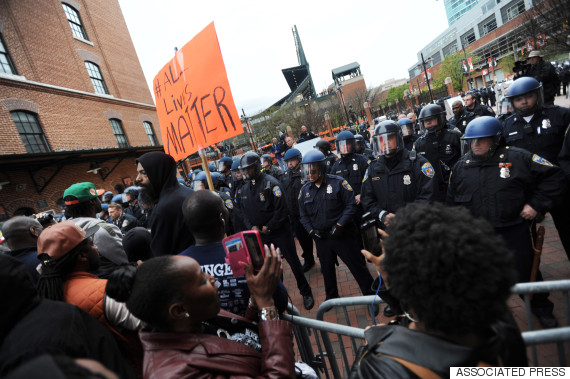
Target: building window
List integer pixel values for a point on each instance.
(509, 12)
(150, 133)
(6, 64)
(96, 77)
(119, 132)
(468, 38)
(30, 131)
(487, 26)
(75, 22)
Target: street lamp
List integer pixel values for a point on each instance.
(339, 90)
(425, 73)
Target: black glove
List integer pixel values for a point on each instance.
(315, 234)
(336, 230)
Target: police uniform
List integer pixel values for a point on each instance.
(409, 141)
(292, 185)
(136, 211)
(330, 159)
(391, 183)
(543, 135)
(125, 222)
(442, 149)
(238, 222)
(235, 221)
(228, 182)
(263, 204)
(352, 168)
(274, 171)
(461, 122)
(323, 207)
(482, 110)
(497, 190)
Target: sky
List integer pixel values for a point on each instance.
(257, 42)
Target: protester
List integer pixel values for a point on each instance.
(189, 336)
(137, 244)
(544, 73)
(457, 308)
(21, 236)
(156, 175)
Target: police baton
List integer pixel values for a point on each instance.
(205, 167)
(537, 252)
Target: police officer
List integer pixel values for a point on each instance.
(225, 167)
(407, 126)
(237, 180)
(269, 168)
(539, 129)
(361, 147)
(397, 177)
(439, 145)
(292, 184)
(507, 186)
(461, 116)
(351, 166)
(264, 209)
(327, 207)
(473, 106)
(123, 221)
(324, 147)
(134, 208)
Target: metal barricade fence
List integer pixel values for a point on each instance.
(324, 360)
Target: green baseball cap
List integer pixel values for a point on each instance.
(81, 191)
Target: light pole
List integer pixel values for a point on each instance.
(425, 73)
(339, 90)
(469, 82)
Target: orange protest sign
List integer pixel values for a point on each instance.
(194, 102)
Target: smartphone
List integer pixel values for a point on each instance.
(371, 238)
(244, 247)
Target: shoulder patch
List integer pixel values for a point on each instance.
(277, 191)
(540, 160)
(300, 192)
(346, 185)
(365, 176)
(229, 204)
(427, 170)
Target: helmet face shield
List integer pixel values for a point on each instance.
(528, 103)
(221, 166)
(407, 130)
(346, 146)
(388, 143)
(199, 185)
(312, 171)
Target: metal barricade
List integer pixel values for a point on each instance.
(324, 361)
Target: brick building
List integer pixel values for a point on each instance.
(74, 103)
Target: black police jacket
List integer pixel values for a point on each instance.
(543, 135)
(498, 188)
(275, 172)
(126, 222)
(461, 122)
(387, 190)
(331, 203)
(263, 203)
(235, 223)
(409, 141)
(292, 184)
(442, 149)
(482, 110)
(329, 161)
(352, 168)
(545, 73)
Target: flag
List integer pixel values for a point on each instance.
(470, 63)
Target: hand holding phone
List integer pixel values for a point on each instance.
(244, 247)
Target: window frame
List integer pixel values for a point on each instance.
(77, 27)
(98, 82)
(38, 134)
(9, 62)
(152, 136)
(119, 132)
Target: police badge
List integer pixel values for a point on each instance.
(546, 124)
(261, 197)
(504, 173)
(329, 189)
(407, 180)
(355, 167)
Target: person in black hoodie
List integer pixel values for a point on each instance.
(156, 175)
(30, 326)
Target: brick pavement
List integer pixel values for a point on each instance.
(554, 266)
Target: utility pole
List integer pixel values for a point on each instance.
(465, 57)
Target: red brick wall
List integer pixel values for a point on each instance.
(12, 196)
(40, 41)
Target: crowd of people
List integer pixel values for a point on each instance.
(139, 285)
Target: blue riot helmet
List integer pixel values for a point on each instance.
(324, 146)
(290, 156)
(314, 166)
(236, 174)
(107, 197)
(217, 179)
(225, 162)
(483, 127)
(235, 165)
(525, 87)
(132, 192)
(360, 145)
(212, 167)
(250, 165)
(429, 112)
(267, 158)
(201, 180)
(346, 142)
(407, 126)
(194, 173)
(387, 138)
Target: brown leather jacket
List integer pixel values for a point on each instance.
(189, 355)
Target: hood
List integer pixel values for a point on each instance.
(18, 295)
(160, 169)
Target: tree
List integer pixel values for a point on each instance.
(451, 67)
(551, 18)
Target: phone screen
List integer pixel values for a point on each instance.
(370, 239)
(254, 250)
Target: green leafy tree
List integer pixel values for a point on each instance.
(451, 67)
